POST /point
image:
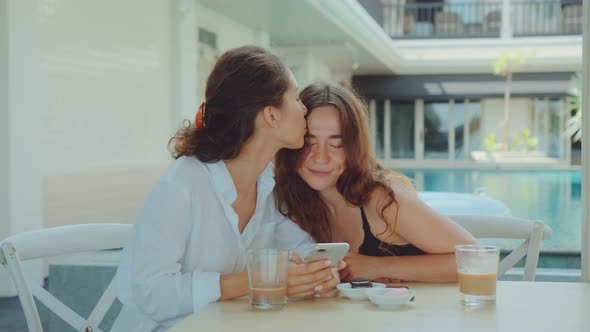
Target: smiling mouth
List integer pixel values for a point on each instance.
(319, 173)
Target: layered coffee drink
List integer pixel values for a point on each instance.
(267, 278)
(477, 271)
(268, 297)
(477, 283)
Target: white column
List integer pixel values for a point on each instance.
(300, 61)
(184, 61)
(535, 118)
(467, 131)
(21, 181)
(419, 181)
(567, 138)
(506, 31)
(452, 129)
(372, 123)
(586, 147)
(387, 130)
(387, 18)
(419, 129)
(546, 117)
(262, 38)
(393, 17)
(562, 138)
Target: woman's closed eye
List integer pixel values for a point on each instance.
(335, 143)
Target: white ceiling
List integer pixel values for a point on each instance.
(296, 23)
(544, 54)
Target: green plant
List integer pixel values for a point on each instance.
(505, 66)
(522, 143)
(490, 144)
(574, 101)
(525, 142)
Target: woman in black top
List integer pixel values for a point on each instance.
(336, 190)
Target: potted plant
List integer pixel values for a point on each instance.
(574, 101)
(505, 66)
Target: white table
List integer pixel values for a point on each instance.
(521, 306)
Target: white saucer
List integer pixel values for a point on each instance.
(389, 301)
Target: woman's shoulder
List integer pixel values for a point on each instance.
(186, 171)
(401, 187)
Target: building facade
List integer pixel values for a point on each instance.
(445, 104)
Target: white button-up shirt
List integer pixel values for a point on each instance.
(186, 236)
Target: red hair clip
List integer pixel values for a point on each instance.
(199, 122)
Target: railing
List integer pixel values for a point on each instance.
(471, 19)
(545, 18)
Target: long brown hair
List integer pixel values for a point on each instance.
(362, 175)
(244, 80)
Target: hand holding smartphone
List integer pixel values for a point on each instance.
(334, 252)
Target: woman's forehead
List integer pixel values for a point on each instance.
(324, 120)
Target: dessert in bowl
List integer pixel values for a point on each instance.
(391, 297)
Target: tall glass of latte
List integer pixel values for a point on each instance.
(267, 276)
(477, 269)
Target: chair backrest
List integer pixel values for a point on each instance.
(508, 227)
(59, 241)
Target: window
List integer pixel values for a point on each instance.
(380, 128)
(402, 130)
(436, 130)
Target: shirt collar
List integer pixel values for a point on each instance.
(224, 185)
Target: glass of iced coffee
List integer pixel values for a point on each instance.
(267, 276)
(477, 269)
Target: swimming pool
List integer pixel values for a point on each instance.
(553, 196)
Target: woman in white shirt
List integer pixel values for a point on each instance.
(214, 201)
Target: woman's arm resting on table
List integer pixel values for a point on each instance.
(420, 225)
(233, 285)
(425, 268)
(424, 228)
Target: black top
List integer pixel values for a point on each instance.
(372, 246)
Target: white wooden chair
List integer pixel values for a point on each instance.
(59, 241)
(508, 227)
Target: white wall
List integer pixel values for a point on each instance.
(105, 85)
(109, 75)
(343, 77)
(493, 117)
(105, 106)
(306, 67)
(4, 124)
(230, 34)
(110, 97)
(20, 147)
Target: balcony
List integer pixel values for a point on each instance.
(481, 19)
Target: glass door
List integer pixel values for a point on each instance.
(436, 130)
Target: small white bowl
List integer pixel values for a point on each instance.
(378, 297)
(357, 294)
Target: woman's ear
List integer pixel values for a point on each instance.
(272, 116)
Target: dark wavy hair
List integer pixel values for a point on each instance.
(243, 81)
(362, 176)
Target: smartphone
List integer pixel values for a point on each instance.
(331, 251)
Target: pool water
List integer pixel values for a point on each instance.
(552, 196)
